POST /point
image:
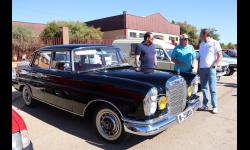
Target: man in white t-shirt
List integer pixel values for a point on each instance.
(210, 57)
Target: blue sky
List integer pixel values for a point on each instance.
(218, 14)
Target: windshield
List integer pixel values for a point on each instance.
(86, 59)
(169, 51)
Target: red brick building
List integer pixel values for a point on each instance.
(127, 25)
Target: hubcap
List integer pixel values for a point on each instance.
(109, 126)
(26, 95)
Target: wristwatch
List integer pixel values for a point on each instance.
(213, 67)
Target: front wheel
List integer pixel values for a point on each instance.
(108, 124)
(27, 97)
(229, 71)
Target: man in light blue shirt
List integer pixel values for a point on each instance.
(183, 55)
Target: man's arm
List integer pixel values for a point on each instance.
(219, 58)
(177, 62)
(155, 61)
(137, 60)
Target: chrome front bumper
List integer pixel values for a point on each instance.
(157, 125)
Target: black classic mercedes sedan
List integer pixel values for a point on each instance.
(96, 80)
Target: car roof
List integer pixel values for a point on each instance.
(227, 49)
(73, 46)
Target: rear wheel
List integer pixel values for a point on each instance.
(27, 97)
(108, 124)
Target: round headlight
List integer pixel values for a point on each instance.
(154, 94)
(162, 103)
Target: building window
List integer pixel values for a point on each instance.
(171, 37)
(141, 35)
(132, 34)
(158, 37)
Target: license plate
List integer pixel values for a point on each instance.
(184, 115)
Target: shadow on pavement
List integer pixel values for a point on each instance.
(72, 124)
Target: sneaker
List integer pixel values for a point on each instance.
(215, 110)
(203, 107)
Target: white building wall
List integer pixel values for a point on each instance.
(166, 37)
(112, 34)
(120, 34)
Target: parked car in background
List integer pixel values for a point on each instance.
(20, 136)
(221, 68)
(230, 52)
(120, 99)
(128, 46)
(25, 62)
(232, 64)
(13, 74)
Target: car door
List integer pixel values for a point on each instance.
(36, 74)
(58, 80)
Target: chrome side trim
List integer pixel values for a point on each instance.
(101, 101)
(57, 106)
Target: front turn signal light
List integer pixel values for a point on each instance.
(189, 91)
(162, 103)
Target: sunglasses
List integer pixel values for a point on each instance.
(185, 39)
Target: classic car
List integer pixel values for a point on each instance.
(120, 99)
(128, 46)
(232, 64)
(20, 136)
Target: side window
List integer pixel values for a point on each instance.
(170, 38)
(61, 60)
(41, 60)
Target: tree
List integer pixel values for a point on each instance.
(235, 45)
(191, 31)
(76, 30)
(222, 45)
(230, 45)
(51, 30)
(22, 40)
(22, 30)
(213, 34)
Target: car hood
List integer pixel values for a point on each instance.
(222, 63)
(17, 122)
(229, 60)
(155, 77)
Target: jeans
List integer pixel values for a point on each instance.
(208, 86)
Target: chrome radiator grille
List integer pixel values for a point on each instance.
(177, 94)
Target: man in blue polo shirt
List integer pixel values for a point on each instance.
(183, 55)
(145, 52)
